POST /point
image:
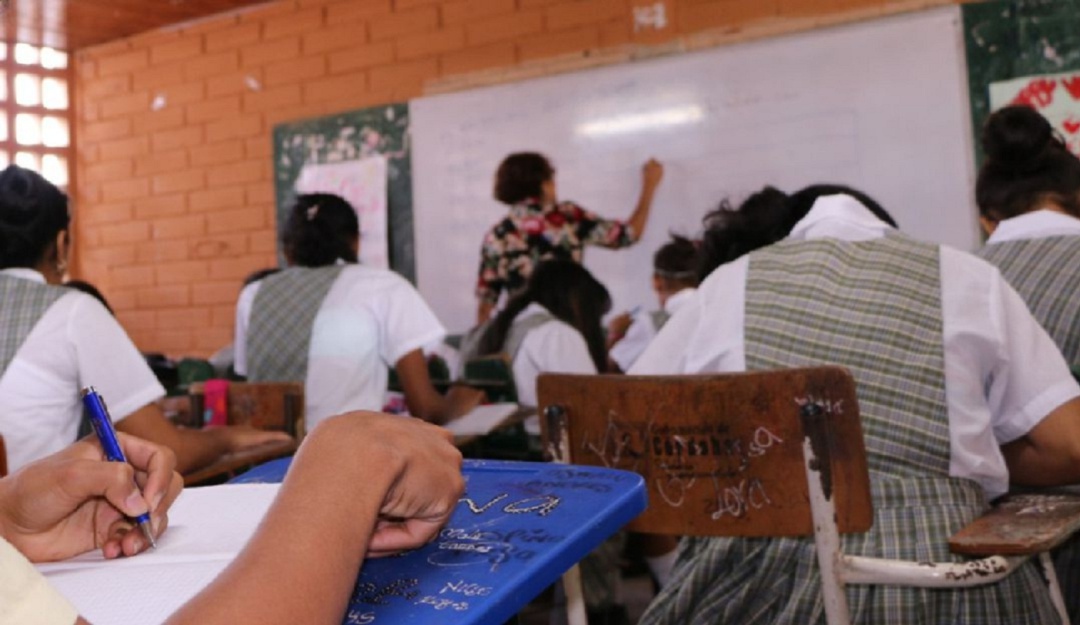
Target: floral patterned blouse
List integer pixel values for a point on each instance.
(533, 232)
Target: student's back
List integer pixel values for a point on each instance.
(338, 326)
(367, 320)
(923, 328)
(552, 325)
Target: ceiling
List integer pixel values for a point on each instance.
(73, 24)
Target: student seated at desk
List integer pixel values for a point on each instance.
(337, 325)
(960, 393)
(674, 279)
(1028, 192)
(403, 478)
(57, 340)
(553, 325)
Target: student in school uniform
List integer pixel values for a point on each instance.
(54, 341)
(73, 502)
(961, 393)
(674, 280)
(539, 226)
(338, 325)
(552, 325)
(1028, 192)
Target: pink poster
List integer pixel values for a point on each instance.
(1056, 96)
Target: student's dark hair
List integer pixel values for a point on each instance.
(1026, 163)
(32, 212)
(255, 276)
(570, 293)
(676, 262)
(731, 231)
(765, 218)
(92, 291)
(521, 176)
(321, 229)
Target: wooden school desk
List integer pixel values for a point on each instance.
(517, 528)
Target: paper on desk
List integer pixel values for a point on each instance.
(482, 419)
(208, 526)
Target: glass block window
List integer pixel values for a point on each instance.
(35, 112)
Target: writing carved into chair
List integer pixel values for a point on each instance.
(766, 454)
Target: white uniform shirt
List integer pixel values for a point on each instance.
(368, 321)
(554, 347)
(1003, 373)
(26, 598)
(642, 331)
(76, 343)
(1040, 224)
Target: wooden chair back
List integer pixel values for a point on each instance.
(263, 405)
(3, 457)
(722, 455)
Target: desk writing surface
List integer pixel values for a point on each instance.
(517, 528)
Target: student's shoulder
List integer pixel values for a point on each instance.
(372, 279)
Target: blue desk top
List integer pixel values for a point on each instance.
(518, 527)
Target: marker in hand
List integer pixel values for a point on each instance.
(94, 408)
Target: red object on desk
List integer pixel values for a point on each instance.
(215, 406)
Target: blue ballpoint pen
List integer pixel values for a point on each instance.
(94, 407)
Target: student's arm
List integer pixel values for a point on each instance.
(194, 449)
(1049, 454)
(402, 479)
(651, 174)
(74, 501)
(421, 397)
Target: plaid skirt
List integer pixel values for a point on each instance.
(776, 580)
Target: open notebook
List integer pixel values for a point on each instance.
(518, 527)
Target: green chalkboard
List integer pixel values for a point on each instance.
(351, 135)
(1005, 40)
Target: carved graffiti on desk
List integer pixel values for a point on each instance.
(372, 593)
(542, 505)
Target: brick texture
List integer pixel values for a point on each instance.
(173, 171)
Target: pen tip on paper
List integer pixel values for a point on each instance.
(149, 533)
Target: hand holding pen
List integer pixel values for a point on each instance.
(72, 502)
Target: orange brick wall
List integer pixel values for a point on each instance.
(173, 187)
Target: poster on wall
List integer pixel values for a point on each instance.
(362, 183)
(366, 153)
(1056, 96)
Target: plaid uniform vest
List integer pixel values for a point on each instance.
(282, 318)
(874, 307)
(1034, 268)
(22, 304)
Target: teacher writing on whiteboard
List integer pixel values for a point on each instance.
(539, 226)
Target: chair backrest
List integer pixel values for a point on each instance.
(494, 375)
(263, 405)
(3, 457)
(722, 455)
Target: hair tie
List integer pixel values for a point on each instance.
(312, 211)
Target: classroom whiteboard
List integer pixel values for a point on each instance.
(879, 105)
